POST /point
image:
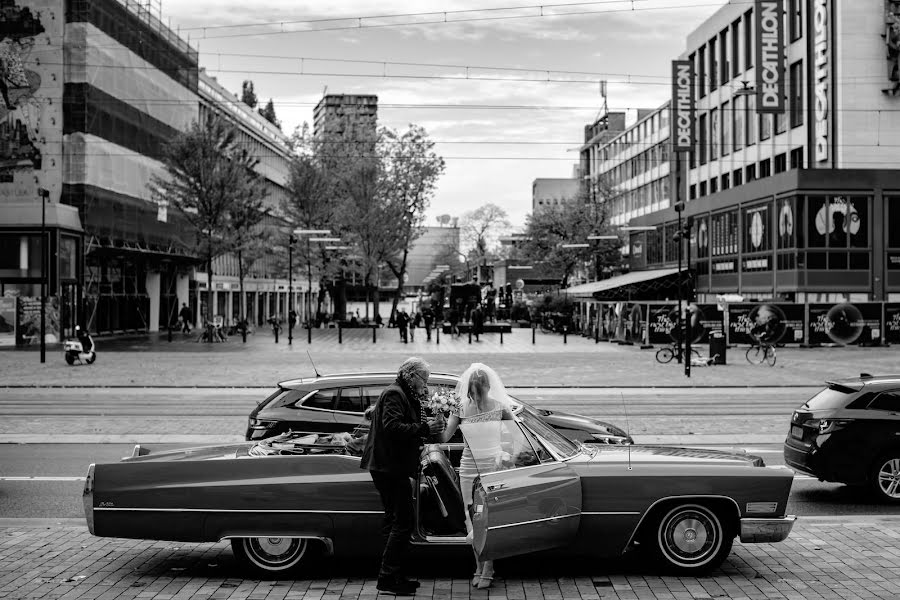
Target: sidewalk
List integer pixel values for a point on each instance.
(152, 361)
(824, 558)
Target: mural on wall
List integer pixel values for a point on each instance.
(20, 111)
(767, 323)
(844, 323)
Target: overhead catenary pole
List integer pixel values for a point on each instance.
(44, 271)
(290, 288)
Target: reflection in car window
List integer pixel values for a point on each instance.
(321, 399)
(371, 394)
(349, 400)
(542, 453)
(498, 446)
(888, 401)
(834, 396)
(563, 447)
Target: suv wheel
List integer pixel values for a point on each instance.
(885, 477)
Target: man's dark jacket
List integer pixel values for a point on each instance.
(395, 434)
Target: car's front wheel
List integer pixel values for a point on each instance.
(270, 556)
(885, 477)
(691, 539)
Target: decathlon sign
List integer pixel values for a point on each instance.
(770, 88)
(682, 105)
(821, 80)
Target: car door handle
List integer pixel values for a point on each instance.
(496, 486)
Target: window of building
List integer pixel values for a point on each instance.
(702, 188)
(781, 163)
(713, 134)
(751, 173)
(750, 119)
(795, 83)
(713, 185)
(780, 122)
(726, 128)
(748, 40)
(703, 141)
(726, 181)
(785, 227)
(692, 194)
(894, 232)
(713, 65)
(795, 19)
(737, 119)
(738, 177)
(724, 68)
(671, 244)
(736, 49)
(797, 158)
(765, 126)
(765, 168)
(757, 230)
(701, 72)
(724, 235)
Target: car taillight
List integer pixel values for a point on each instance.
(831, 425)
(261, 424)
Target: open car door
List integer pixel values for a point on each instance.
(524, 499)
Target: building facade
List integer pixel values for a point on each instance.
(335, 114)
(798, 204)
(547, 192)
(93, 89)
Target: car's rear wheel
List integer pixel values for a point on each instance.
(270, 556)
(885, 477)
(691, 539)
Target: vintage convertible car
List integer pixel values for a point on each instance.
(277, 500)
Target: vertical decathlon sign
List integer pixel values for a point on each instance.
(820, 90)
(682, 105)
(770, 85)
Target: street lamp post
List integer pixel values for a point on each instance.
(291, 240)
(306, 233)
(44, 194)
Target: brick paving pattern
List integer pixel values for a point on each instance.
(856, 558)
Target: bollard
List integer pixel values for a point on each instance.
(533, 329)
(244, 333)
(170, 332)
(309, 334)
(437, 332)
(565, 334)
(470, 335)
(501, 336)
(596, 336)
(275, 329)
(340, 334)
(373, 334)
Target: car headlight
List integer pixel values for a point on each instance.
(261, 424)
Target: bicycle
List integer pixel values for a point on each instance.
(758, 354)
(666, 354)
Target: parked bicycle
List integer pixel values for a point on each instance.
(666, 354)
(761, 353)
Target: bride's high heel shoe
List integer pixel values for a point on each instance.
(487, 576)
(479, 567)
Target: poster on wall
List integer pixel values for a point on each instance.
(844, 323)
(7, 321)
(28, 321)
(892, 323)
(769, 323)
(626, 322)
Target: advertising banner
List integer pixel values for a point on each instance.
(769, 323)
(892, 323)
(770, 84)
(664, 318)
(7, 321)
(820, 88)
(844, 323)
(626, 321)
(28, 321)
(683, 105)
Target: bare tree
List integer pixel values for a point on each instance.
(480, 230)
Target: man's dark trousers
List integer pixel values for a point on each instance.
(396, 495)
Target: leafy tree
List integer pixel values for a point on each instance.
(412, 169)
(268, 113)
(248, 95)
(206, 175)
(246, 213)
(570, 222)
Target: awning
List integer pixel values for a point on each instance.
(28, 215)
(653, 284)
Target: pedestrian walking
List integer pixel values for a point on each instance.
(454, 322)
(428, 319)
(477, 322)
(414, 324)
(403, 325)
(391, 455)
(185, 315)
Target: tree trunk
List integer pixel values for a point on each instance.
(209, 294)
(400, 273)
(241, 284)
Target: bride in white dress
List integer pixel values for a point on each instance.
(482, 398)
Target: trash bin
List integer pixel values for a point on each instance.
(717, 346)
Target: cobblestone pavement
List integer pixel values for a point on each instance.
(824, 558)
(152, 361)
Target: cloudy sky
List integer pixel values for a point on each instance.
(505, 92)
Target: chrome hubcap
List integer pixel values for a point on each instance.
(274, 546)
(889, 478)
(689, 536)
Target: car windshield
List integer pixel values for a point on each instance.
(834, 396)
(563, 447)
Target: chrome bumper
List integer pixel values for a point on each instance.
(755, 531)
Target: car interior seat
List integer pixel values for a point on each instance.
(441, 502)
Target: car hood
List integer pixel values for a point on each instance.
(569, 421)
(669, 454)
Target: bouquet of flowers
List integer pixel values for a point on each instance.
(444, 402)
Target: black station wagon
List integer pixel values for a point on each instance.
(850, 433)
(334, 403)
